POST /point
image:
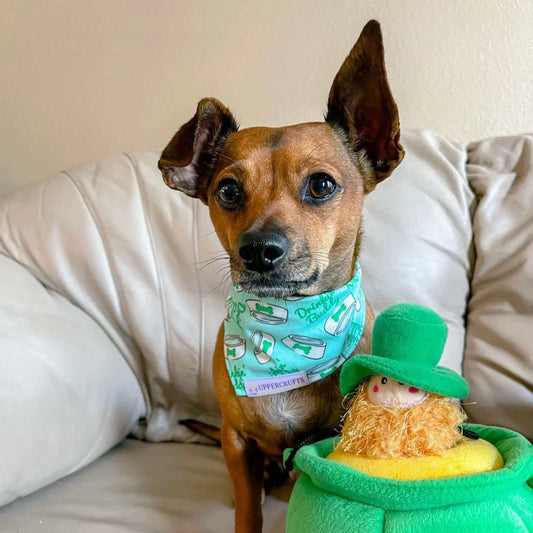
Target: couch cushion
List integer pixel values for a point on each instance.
(66, 393)
(499, 343)
(143, 487)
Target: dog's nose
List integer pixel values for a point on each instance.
(263, 250)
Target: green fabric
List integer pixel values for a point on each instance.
(330, 496)
(407, 344)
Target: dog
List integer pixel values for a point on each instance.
(286, 204)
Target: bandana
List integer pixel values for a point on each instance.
(273, 345)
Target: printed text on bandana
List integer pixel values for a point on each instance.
(264, 386)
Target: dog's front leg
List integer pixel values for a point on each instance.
(245, 462)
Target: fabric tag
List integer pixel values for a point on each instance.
(274, 385)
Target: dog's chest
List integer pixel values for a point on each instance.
(288, 417)
(283, 413)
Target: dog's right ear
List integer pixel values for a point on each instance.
(188, 162)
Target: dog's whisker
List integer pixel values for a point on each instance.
(225, 281)
(206, 235)
(212, 259)
(217, 257)
(205, 266)
(228, 157)
(225, 271)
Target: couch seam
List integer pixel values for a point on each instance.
(201, 309)
(162, 300)
(471, 249)
(105, 245)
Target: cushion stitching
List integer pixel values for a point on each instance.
(161, 293)
(105, 245)
(201, 309)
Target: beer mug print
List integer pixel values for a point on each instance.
(234, 347)
(325, 369)
(229, 307)
(264, 346)
(267, 313)
(306, 346)
(341, 318)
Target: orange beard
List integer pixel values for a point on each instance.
(429, 428)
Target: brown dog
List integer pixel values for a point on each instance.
(286, 204)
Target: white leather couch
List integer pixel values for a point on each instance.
(111, 292)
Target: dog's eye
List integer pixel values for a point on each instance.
(321, 186)
(229, 193)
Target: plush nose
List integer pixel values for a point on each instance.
(263, 250)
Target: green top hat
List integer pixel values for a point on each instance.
(407, 344)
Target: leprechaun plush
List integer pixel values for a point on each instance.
(405, 462)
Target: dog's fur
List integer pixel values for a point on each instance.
(270, 171)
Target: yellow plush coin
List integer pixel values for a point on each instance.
(467, 457)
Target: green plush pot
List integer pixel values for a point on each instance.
(330, 497)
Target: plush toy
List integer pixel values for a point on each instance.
(405, 461)
(404, 404)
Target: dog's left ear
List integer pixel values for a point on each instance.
(360, 102)
(189, 160)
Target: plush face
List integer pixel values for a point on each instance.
(373, 429)
(388, 392)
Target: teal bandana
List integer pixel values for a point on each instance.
(274, 345)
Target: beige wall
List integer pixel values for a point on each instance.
(82, 79)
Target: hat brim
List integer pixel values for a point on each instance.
(439, 380)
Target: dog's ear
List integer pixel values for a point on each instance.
(360, 102)
(188, 162)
